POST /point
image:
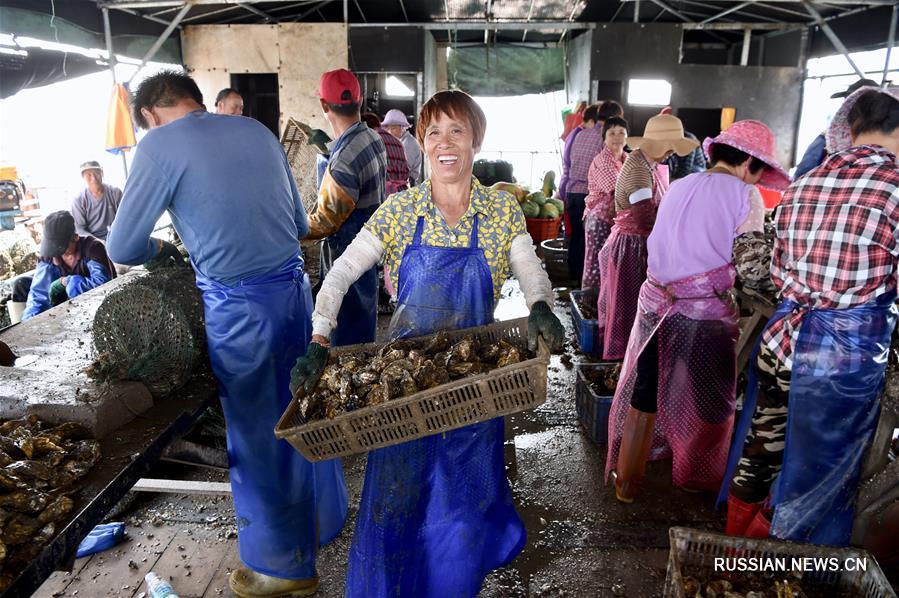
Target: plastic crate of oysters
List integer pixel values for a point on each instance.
(380, 394)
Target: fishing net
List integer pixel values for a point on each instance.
(151, 330)
(302, 157)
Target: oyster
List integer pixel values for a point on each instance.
(5, 459)
(26, 500)
(70, 431)
(2, 552)
(8, 481)
(11, 449)
(23, 439)
(20, 528)
(345, 386)
(440, 342)
(349, 362)
(489, 352)
(56, 510)
(331, 378)
(393, 355)
(365, 377)
(416, 358)
(47, 443)
(462, 369)
(376, 395)
(311, 407)
(464, 349)
(29, 470)
(7, 427)
(508, 355)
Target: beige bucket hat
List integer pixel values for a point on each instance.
(663, 132)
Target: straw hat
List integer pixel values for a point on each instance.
(756, 139)
(663, 132)
(839, 133)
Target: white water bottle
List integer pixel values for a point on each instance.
(159, 587)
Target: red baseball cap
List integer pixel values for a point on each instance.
(340, 87)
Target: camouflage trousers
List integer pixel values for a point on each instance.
(763, 449)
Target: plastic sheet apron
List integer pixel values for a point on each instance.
(357, 321)
(839, 360)
(622, 270)
(436, 514)
(696, 323)
(256, 329)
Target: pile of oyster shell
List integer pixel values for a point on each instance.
(401, 368)
(39, 466)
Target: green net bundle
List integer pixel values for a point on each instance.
(151, 330)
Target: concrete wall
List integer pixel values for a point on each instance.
(770, 94)
(297, 52)
(577, 68)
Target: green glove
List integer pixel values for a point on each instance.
(168, 256)
(308, 369)
(543, 321)
(58, 293)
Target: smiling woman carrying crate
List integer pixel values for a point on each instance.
(437, 513)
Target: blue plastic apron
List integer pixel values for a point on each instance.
(436, 514)
(256, 329)
(839, 360)
(357, 320)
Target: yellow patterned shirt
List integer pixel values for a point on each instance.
(500, 220)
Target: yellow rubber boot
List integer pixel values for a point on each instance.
(636, 440)
(246, 583)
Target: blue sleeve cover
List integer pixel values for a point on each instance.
(147, 195)
(39, 295)
(75, 284)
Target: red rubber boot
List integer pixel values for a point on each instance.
(739, 515)
(760, 526)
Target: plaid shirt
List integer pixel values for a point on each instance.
(837, 242)
(397, 166)
(584, 148)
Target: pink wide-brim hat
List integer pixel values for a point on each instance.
(757, 140)
(839, 134)
(395, 117)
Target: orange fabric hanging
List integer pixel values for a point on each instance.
(119, 127)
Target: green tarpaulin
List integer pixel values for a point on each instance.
(506, 70)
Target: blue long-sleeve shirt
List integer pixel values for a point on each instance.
(92, 269)
(814, 156)
(228, 188)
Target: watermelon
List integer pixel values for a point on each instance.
(537, 197)
(530, 209)
(558, 203)
(549, 211)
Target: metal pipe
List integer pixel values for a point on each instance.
(405, 14)
(144, 4)
(257, 12)
(745, 26)
(143, 16)
(161, 39)
(107, 33)
(679, 15)
(890, 41)
(747, 40)
(479, 25)
(833, 39)
(346, 11)
(637, 11)
(725, 13)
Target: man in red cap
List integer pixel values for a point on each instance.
(351, 190)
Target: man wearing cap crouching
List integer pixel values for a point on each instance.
(70, 264)
(396, 124)
(95, 207)
(351, 189)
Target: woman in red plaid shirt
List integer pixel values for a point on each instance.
(813, 394)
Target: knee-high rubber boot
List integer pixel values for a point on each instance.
(636, 440)
(760, 526)
(739, 515)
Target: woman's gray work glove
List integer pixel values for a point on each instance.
(308, 369)
(543, 321)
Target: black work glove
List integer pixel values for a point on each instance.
(543, 321)
(57, 293)
(308, 369)
(167, 257)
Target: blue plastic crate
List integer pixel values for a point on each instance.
(593, 408)
(587, 331)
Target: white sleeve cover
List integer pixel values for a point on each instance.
(362, 254)
(640, 195)
(527, 268)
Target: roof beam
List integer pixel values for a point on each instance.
(833, 39)
(481, 24)
(143, 16)
(142, 4)
(361, 14)
(161, 39)
(744, 26)
(679, 15)
(725, 13)
(405, 14)
(257, 12)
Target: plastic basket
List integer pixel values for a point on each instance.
(699, 549)
(542, 229)
(586, 330)
(502, 391)
(592, 408)
(555, 256)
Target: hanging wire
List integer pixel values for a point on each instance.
(55, 29)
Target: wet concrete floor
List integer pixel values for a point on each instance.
(581, 541)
